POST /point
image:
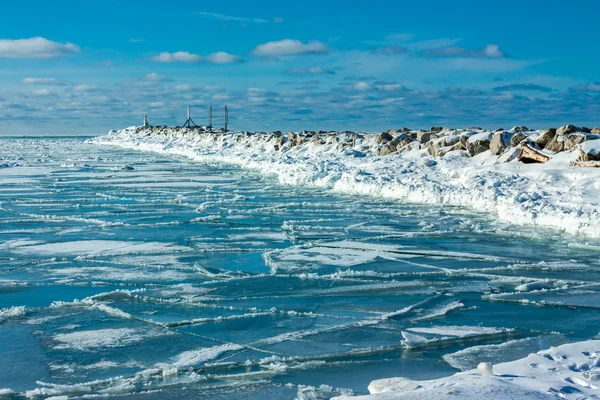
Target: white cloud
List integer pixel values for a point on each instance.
(221, 57)
(489, 51)
(37, 47)
(310, 71)
(362, 86)
(178, 56)
(42, 81)
(182, 88)
(154, 77)
(84, 88)
(289, 47)
(223, 17)
(42, 92)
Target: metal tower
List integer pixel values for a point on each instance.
(189, 123)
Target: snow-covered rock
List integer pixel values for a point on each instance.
(479, 143)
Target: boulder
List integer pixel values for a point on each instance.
(557, 144)
(546, 137)
(520, 128)
(445, 150)
(590, 150)
(498, 129)
(291, 136)
(464, 137)
(517, 138)
(436, 129)
(585, 130)
(596, 131)
(500, 141)
(383, 137)
(386, 150)
(398, 139)
(563, 130)
(573, 139)
(423, 137)
(479, 143)
(445, 141)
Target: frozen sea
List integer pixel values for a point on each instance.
(144, 276)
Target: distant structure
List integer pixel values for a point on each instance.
(225, 117)
(189, 123)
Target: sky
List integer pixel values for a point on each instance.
(85, 67)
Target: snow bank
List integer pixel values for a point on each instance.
(570, 371)
(553, 195)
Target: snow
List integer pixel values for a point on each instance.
(12, 312)
(591, 147)
(92, 340)
(196, 357)
(570, 371)
(552, 195)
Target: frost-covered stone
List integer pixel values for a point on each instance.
(517, 138)
(500, 141)
(479, 143)
(590, 150)
(566, 129)
(423, 137)
(546, 137)
(383, 137)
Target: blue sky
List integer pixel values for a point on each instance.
(70, 66)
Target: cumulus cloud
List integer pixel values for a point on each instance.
(223, 17)
(178, 56)
(522, 87)
(221, 57)
(288, 47)
(315, 70)
(42, 81)
(37, 47)
(154, 77)
(489, 51)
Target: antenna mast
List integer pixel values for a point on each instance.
(189, 123)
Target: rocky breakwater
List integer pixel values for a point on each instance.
(519, 143)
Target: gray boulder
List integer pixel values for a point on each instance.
(436, 129)
(546, 137)
(479, 143)
(573, 139)
(423, 137)
(500, 141)
(596, 131)
(563, 130)
(383, 137)
(445, 141)
(520, 128)
(517, 138)
(590, 150)
(398, 139)
(386, 149)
